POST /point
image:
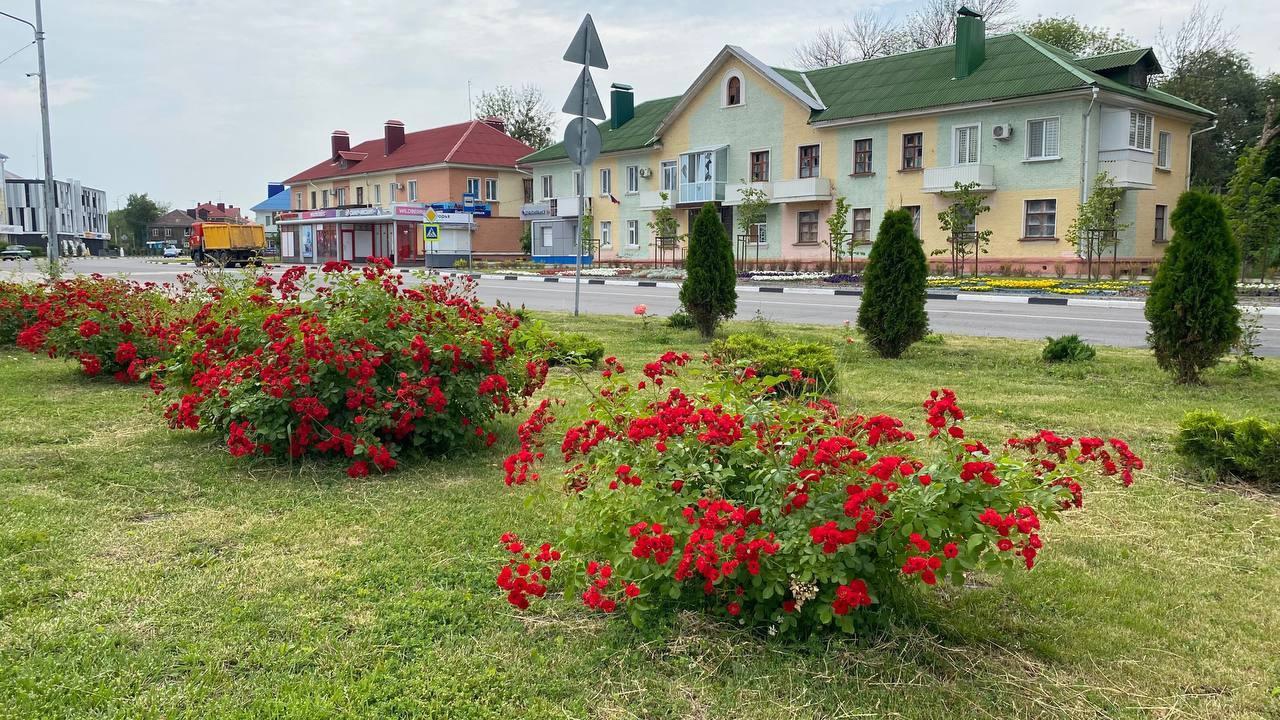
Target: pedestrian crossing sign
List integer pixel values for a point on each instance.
(431, 233)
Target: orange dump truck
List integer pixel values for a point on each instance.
(227, 244)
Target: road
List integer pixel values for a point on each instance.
(1118, 326)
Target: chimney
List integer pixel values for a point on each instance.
(222, 207)
(339, 141)
(622, 105)
(496, 123)
(393, 132)
(971, 42)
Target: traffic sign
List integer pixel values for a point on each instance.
(582, 141)
(431, 233)
(586, 48)
(430, 215)
(584, 100)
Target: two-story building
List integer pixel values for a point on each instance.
(172, 228)
(372, 199)
(1030, 124)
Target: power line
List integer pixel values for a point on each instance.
(10, 56)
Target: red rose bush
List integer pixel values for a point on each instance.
(347, 364)
(785, 512)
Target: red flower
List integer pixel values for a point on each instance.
(89, 328)
(950, 550)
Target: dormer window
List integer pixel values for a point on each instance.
(733, 96)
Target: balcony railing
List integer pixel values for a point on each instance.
(733, 191)
(652, 200)
(801, 190)
(943, 179)
(568, 206)
(709, 191)
(1129, 168)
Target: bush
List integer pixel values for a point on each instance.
(782, 512)
(1192, 302)
(680, 320)
(17, 309)
(709, 292)
(361, 368)
(1068, 348)
(1249, 449)
(892, 311)
(573, 349)
(770, 355)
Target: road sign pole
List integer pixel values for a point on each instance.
(582, 142)
(582, 190)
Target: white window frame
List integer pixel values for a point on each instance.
(297, 198)
(548, 241)
(473, 182)
(955, 144)
(391, 191)
(413, 191)
(377, 194)
(724, 90)
(871, 157)
(799, 150)
(548, 187)
(633, 179)
(491, 189)
(606, 233)
(1140, 132)
(1026, 211)
(762, 233)
(668, 167)
(1164, 141)
(606, 182)
(579, 188)
(324, 198)
(633, 233)
(1044, 149)
(915, 216)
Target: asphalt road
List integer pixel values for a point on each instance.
(1119, 326)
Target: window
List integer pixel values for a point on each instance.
(965, 150)
(733, 91)
(168, 232)
(915, 217)
(760, 166)
(360, 195)
(313, 199)
(377, 194)
(759, 234)
(913, 151)
(548, 236)
(527, 186)
(546, 187)
(324, 198)
(297, 200)
(807, 223)
(668, 170)
(633, 233)
(1042, 139)
(155, 232)
(1162, 151)
(413, 191)
(1162, 218)
(340, 196)
(1140, 130)
(491, 188)
(606, 234)
(862, 225)
(809, 156)
(391, 192)
(633, 178)
(1042, 217)
(577, 182)
(473, 186)
(862, 157)
(606, 182)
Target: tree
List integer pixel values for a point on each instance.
(934, 23)
(664, 224)
(525, 111)
(752, 208)
(1192, 303)
(828, 47)
(709, 292)
(964, 206)
(837, 221)
(1067, 33)
(892, 312)
(1097, 226)
(118, 226)
(140, 211)
(1253, 211)
(1201, 33)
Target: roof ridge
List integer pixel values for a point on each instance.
(471, 126)
(1146, 48)
(1072, 68)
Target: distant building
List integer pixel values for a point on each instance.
(217, 212)
(81, 214)
(172, 228)
(373, 199)
(5, 227)
(266, 212)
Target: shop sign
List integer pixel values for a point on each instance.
(535, 211)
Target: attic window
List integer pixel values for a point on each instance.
(733, 95)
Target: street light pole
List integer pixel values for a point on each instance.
(50, 189)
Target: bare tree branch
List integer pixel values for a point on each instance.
(871, 36)
(828, 47)
(934, 23)
(1202, 32)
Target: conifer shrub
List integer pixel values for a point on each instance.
(1192, 302)
(1248, 448)
(779, 357)
(1068, 348)
(892, 313)
(709, 294)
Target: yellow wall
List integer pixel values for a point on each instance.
(1168, 186)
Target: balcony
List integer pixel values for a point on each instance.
(944, 179)
(700, 192)
(733, 191)
(652, 200)
(1130, 168)
(568, 206)
(812, 189)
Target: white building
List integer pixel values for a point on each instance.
(81, 214)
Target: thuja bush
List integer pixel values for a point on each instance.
(709, 292)
(782, 512)
(110, 325)
(347, 364)
(779, 356)
(1068, 348)
(1248, 448)
(892, 311)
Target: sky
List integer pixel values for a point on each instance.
(209, 100)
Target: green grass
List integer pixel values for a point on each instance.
(146, 574)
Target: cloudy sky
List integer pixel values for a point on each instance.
(193, 100)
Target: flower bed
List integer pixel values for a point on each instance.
(782, 512)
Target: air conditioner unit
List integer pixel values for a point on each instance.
(1002, 132)
(645, 172)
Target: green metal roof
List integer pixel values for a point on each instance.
(635, 134)
(1109, 61)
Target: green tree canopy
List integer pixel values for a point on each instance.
(140, 211)
(525, 111)
(1082, 40)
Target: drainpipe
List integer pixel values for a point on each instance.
(1190, 140)
(1084, 150)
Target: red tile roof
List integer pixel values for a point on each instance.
(210, 212)
(469, 143)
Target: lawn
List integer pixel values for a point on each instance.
(145, 573)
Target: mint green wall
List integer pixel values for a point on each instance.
(1008, 156)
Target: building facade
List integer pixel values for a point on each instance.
(172, 228)
(217, 212)
(81, 215)
(373, 199)
(1029, 124)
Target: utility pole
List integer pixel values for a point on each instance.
(50, 189)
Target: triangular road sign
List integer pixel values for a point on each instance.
(587, 40)
(584, 86)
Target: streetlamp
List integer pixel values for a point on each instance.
(50, 210)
